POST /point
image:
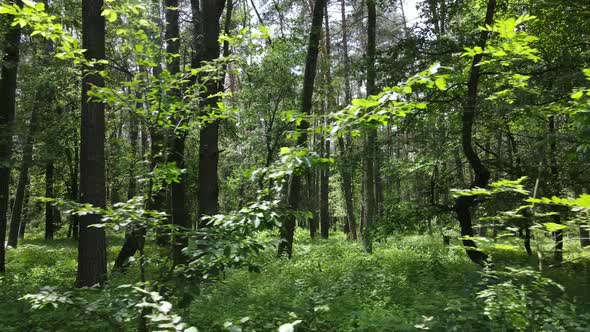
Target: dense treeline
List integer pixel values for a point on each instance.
(186, 148)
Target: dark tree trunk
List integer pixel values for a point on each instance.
(288, 227)
(324, 141)
(92, 258)
(208, 187)
(49, 209)
(369, 176)
(464, 204)
(558, 254)
(180, 216)
(135, 238)
(8, 81)
(74, 219)
(43, 96)
(346, 167)
(23, 179)
(23, 223)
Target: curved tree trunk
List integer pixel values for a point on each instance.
(464, 204)
(288, 227)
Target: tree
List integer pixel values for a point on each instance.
(346, 165)
(369, 176)
(464, 204)
(288, 227)
(92, 259)
(9, 71)
(208, 191)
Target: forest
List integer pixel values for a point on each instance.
(294, 165)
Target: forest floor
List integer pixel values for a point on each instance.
(409, 282)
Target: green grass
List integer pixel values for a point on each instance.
(330, 285)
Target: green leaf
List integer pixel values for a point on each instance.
(577, 95)
(364, 103)
(441, 83)
(553, 227)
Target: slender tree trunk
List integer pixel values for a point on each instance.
(23, 179)
(346, 170)
(23, 223)
(554, 169)
(464, 204)
(8, 82)
(92, 258)
(288, 227)
(43, 95)
(325, 141)
(74, 195)
(369, 177)
(49, 209)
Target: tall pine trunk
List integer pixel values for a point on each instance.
(346, 166)
(369, 176)
(92, 258)
(325, 141)
(288, 227)
(8, 81)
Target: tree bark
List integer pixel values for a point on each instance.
(346, 166)
(554, 169)
(23, 223)
(288, 227)
(464, 204)
(325, 141)
(208, 191)
(92, 258)
(8, 81)
(371, 141)
(23, 179)
(49, 209)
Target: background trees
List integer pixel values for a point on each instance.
(466, 126)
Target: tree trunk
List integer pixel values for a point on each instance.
(23, 179)
(49, 209)
(371, 141)
(558, 254)
(23, 223)
(92, 258)
(8, 82)
(288, 227)
(208, 187)
(464, 204)
(324, 141)
(346, 167)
